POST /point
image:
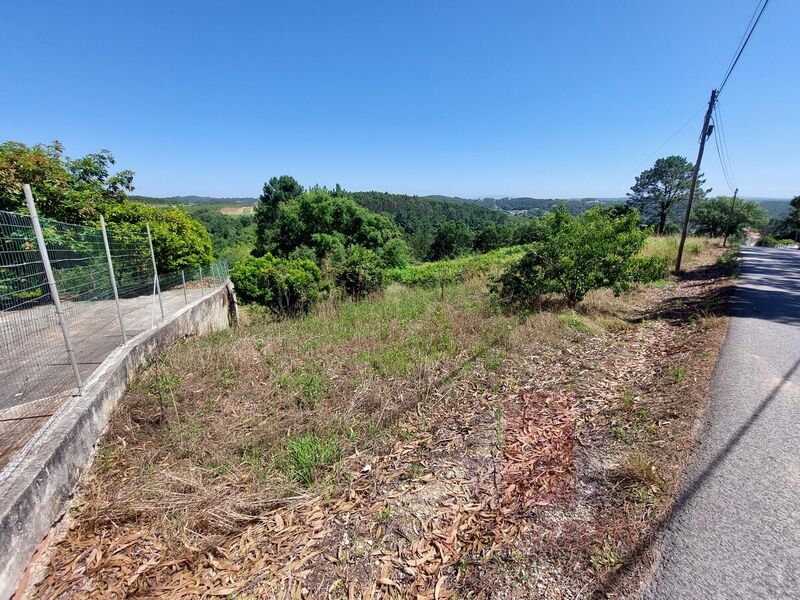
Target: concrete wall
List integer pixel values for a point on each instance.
(36, 488)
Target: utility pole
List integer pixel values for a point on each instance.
(703, 137)
(730, 216)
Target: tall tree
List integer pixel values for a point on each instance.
(720, 217)
(660, 189)
(276, 191)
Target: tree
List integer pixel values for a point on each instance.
(451, 239)
(578, 254)
(493, 237)
(715, 218)
(660, 189)
(327, 224)
(65, 189)
(179, 242)
(276, 191)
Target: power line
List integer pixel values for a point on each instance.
(721, 159)
(653, 153)
(742, 44)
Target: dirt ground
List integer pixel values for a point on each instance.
(548, 477)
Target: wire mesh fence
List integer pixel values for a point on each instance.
(66, 305)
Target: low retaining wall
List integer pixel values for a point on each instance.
(35, 489)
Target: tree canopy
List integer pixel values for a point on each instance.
(80, 190)
(659, 190)
(720, 217)
(275, 192)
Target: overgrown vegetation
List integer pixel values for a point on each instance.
(80, 190)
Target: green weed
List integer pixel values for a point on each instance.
(306, 454)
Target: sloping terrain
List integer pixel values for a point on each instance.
(416, 445)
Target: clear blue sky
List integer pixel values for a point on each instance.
(544, 99)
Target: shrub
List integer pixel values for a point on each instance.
(767, 242)
(395, 254)
(646, 269)
(578, 254)
(360, 272)
(287, 287)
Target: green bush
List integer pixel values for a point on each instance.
(767, 242)
(360, 273)
(646, 269)
(287, 287)
(578, 254)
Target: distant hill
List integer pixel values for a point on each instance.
(419, 216)
(192, 200)
(776, 208)
(530, 206)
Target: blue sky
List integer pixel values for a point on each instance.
(543, 99)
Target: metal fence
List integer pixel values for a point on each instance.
(69, 296)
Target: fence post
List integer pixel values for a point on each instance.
(155, 270)
(113, 278)
(202, 288)
(51, 283)
(183, 280)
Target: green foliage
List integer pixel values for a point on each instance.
(276, 191)
(395, 254)
(578, 254)
(179, 242)
(227, 231)
(662, 188)
(307, 454)
(80, 190)
(288, 287)
(360, 273)
(327, 223)
(720, 217)
(419, 217)
(451, 239)
(647, 269)
(433, 274)
(493, 237)
(767, 241)
(72, 190)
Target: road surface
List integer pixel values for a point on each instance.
(735, 532)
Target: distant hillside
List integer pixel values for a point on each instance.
(419, 217)
(531, 206)
(776, 208)
(192, 200)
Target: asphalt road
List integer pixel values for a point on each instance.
(735, 532)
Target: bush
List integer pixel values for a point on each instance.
(594, 250)
(287, 287)
(360, 273)
(767, 242)
(395, 254)
(646, 269)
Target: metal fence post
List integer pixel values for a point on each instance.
(202, 288)
(183, 280)
(155, 270)
(113, 278)
(51, 283)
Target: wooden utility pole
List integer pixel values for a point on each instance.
(730, 216)
(703, 137)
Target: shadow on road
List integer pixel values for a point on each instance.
(751, 299)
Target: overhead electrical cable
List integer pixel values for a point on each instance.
(743, 44)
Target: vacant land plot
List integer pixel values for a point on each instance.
(420, 444)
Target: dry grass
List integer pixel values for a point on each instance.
(236, 462)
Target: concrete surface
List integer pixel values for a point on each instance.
(735, 531)
(35, 375)
(36, 485)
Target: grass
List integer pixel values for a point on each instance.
(306, 454)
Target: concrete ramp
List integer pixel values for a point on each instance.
(38, 482)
